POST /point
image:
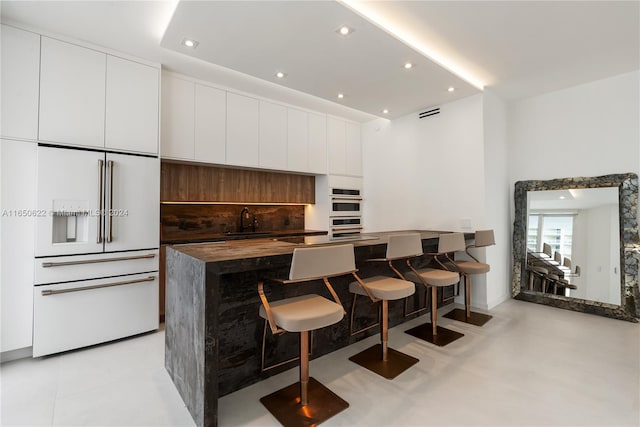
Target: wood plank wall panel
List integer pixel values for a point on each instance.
(198, 183)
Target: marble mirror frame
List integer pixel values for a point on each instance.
(627, 184)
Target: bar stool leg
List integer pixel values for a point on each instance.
(304, 367)
(384, 330)
(466, 315)
(433, 333)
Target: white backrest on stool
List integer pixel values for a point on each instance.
(404, 245)
(323, 261)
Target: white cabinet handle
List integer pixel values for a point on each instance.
(93, 261)
(48, 292)
(100, 195)
(110, 235)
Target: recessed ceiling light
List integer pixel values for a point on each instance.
(341, 95)
(385, 111)
(408, 65)
(451, 89)
(562, 197)
(345, 30)
(280, 75)
(190, 43)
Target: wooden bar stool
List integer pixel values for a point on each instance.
(454, 242)
(380, 359)
(433, 279)
(307, 402)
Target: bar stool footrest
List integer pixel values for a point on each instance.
(284, 405)
(396, 363)
(477, 319)
(443, 337)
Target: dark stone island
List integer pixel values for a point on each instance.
(213, 330)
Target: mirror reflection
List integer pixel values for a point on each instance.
(573, 243)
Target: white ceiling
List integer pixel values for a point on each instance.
(518, 49)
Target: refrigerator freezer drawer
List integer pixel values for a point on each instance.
(79, 314)
(85, 267)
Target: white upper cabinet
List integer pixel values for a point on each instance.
(72, 94)
(243, 130)
(273, 136)
(131, 106)
(297, 140)
(336, 146)
(178, 99)
(344, 149)
(210, 124)
(20, 52)
(317, 147)
(353, 150)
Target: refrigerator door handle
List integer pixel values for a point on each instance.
(100, 198)
(47, 292)
(94, 261)
(110, 211)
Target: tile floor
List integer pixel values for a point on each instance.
(530, 366)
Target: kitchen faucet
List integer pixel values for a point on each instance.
(244, 214)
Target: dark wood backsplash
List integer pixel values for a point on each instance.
(189, 183)
(194, 221)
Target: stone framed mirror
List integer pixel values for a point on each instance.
(576, 244)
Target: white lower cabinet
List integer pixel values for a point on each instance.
(17, 234)
(78, 314)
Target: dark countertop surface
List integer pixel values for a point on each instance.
(256, 248)
(221, 237)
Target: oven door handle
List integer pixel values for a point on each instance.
(346, 198)
(94, 261)
(48, 292)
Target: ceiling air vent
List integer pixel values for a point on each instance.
(428, 113)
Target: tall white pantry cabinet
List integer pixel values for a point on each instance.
(67, 94)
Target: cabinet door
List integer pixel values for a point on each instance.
(242, 130)
(297, 140)
(69, 184)
(72, 94)
(133, 198)
(178, 98)
(336, 146)
(273, 136)
(354, 150)
(131, 121)
(210, 124)
(17, 229)
(317, 144)
(20, 53)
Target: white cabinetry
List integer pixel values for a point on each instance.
(336, 146)
(20, 51)
(317, 144)
(131, 121)
(242, 130)
(72, 94)
(353, 150)
(178, 103)
(17, 226)
(344, 147)
(273, 136)
(297, 140)
(210, 124)
(92, 99)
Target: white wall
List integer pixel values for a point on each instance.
(425, 173)
(587, 130)
(437, 172)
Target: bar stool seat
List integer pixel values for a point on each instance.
(470, 267)
(304, 313)
(383, 287)
(434, 277)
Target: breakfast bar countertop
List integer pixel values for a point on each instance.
(256, 248)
